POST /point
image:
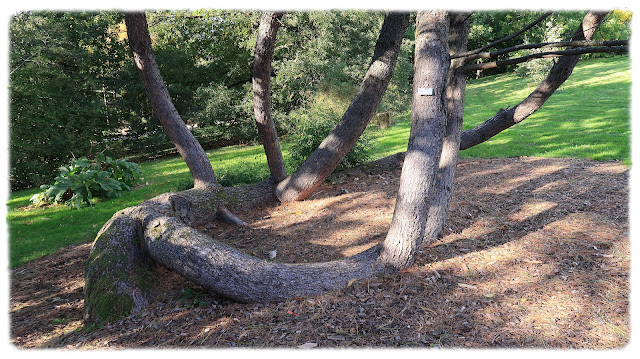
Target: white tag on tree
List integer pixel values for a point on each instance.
(425, 91)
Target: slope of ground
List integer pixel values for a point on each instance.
(535, 254)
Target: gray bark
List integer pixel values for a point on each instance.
(263, 55)
(545, 45)
(324, 160)
(455, 90)
(558, 74)
(241, 277)
(428, 121)
(119, 272)
(158, 95)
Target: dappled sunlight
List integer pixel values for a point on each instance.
(531, 209)
(554, 186)
(565, 262)
(514, 182)
(543, 264)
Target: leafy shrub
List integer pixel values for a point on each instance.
(535, 70)
(83, 180)
(247, 173)
(313, 126)
(226, 113)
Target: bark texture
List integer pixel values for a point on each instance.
(455, 89)
(324, 160)
(558, 74)
(263, 55)
(185, 142)
(244, 278)
(428, 121)
(115, 276)
(119, 273)
(558, 53)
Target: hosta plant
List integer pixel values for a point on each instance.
(83, 180)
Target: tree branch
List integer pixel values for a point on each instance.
(543, 45)
(558, 74)
(572, 52)
(507, 38)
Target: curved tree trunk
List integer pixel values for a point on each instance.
(185, 142)
(456, 85)
(119, 275)
(262, 57)
(428, 121)
(558, 74)
(324, 160)
(241, 277)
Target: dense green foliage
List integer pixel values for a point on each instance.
(83, 181)
(63, 67)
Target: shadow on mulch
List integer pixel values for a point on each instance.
(535, 254)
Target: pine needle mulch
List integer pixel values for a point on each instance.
(535, 254)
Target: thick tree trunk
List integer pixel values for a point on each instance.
(428, 121)
(324, 160)
(558, 74)
(185, 142)
(263, 55)
(455, 90)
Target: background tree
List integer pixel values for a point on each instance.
(64, 70)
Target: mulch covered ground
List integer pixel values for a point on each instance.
(535, 254)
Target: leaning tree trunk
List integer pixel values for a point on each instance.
(558, 74)
(455, 90)
(262, 57)
(428, 121)
(185, 142)
(324, 160)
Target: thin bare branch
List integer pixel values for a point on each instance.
(544, 45)
(517, 60)
(506, 38)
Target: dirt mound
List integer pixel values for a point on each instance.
(535, 254)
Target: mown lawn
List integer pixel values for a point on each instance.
(588, 117)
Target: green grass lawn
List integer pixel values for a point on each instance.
(588, 117)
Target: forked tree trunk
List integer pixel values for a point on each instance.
(263, 54)
(558, 74)
(324, 160)
(118, 276)
(428, 121)
(158, 95)
(455, 90)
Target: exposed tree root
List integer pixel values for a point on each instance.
(226, 216)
